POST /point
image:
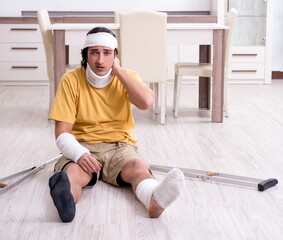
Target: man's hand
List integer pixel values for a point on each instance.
(139, 94)
(116, 66)
(89, 163)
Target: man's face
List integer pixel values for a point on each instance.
(100, 59)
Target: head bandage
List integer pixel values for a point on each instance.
(101, 39)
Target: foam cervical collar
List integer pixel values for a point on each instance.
(95, 80)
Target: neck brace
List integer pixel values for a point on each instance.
(95, 80)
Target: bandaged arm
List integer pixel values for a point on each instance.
(70, 147)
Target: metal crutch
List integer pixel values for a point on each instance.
(260, 184)
(4, 187)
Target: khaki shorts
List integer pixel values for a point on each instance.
(112, 156)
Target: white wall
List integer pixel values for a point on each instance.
(14, 7)
(277, 53)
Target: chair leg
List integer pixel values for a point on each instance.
(177, 92)
(156, 90)
(174, 92)
(226, 110)
(225, 103)
(51, 94)
(162, 87)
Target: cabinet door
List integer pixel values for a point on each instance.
(22, 58)
(251, 23)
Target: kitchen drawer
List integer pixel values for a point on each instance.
(20, 33)
(246, 71)
(248, 54)
(22, 52)
(23, 71)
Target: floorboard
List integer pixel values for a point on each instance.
(248, 143)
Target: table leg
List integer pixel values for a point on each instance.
(218, 75)
(204, 82)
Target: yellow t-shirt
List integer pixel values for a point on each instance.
(97, 115)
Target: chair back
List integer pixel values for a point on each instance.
(117, 20)
(117, 13)
(231, 22)
(143, 43)
(47, 37)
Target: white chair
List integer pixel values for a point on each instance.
(205, 69)
(129, 10)
(143, 43)
(47, 37)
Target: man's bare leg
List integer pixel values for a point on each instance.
(66, 188)
(78, 179)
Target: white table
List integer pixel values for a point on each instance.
(203, 34)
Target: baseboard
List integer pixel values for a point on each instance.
(277, 75)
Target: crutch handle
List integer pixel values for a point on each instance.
(268, 183)
(2, 185)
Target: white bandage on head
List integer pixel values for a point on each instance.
(101, 39)
(70, 147)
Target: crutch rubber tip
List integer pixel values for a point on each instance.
(268, 183)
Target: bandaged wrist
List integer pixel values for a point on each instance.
(70, 147)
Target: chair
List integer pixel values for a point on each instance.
(143, 44)
(47, 37)
(205, 69)
(117, 20)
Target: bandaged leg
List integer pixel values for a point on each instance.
(145, 190)
(170, 188)
(164, 193)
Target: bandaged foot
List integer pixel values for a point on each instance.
(164, 193)
(62, 197)
(170, 188)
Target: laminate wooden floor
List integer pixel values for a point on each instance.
(248, 143)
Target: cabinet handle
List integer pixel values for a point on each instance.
(24, 67)
(244, 54)
(23, 29)
(24, 48)
(244, 71)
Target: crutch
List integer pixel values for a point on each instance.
(258, 183)
(4, 187)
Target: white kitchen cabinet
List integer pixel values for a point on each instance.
(22, 58)
(251, 51)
